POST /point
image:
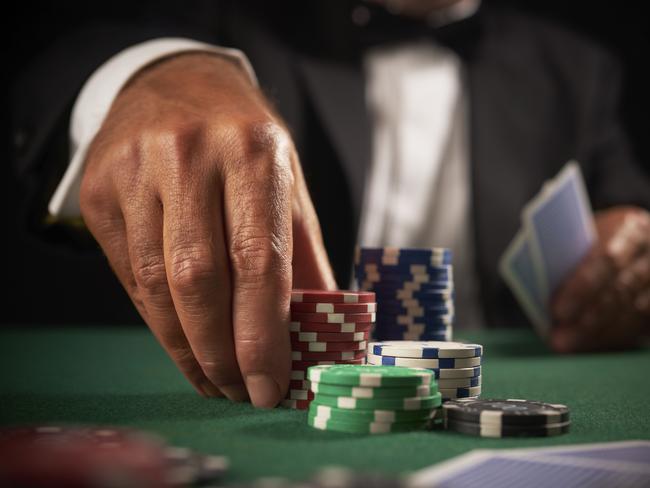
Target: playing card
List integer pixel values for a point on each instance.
(518, 271)
(634, 454)
(557, 232)
(605, 464)
(560, 227)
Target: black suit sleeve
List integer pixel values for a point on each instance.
(614, 175)
(43, 95)
(57, 272)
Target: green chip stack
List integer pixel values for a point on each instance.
(369, 399)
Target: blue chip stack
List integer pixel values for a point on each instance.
(414, 289)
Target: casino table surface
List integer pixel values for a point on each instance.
(120, 376)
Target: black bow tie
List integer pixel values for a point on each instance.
(345, 29)
(384, 28)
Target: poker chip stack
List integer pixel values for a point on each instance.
(76, 456)
(506, 418)
(326, 328)
(457, 366)
(372, 399)
(414, 289)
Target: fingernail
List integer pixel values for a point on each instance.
(236, 392)
(209, 389)
(263, 390)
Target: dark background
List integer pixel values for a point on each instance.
(33, 26)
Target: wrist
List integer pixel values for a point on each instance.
(192, 66)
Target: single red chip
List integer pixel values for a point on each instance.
(299, 385)
(326, 356)
(329, 336)
(332, 296)
(296, 326)
(329, 346)
(332, 318)
(334, 307)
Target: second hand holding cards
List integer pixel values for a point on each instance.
(557, 232)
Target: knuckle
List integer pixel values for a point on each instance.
(178, 134)
(149, 272)
(266, 137)
(256, 256)
(103, 221)
(258, 350)
(111, 170)
(93, 196)
(254, 345)
(256, 358)
(119, 159)
(260, 139)
(177, 139)
(191, 269)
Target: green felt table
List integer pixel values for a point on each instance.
(120, 376)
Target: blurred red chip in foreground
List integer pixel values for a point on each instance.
(76, 457)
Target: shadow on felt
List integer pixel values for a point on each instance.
(293, 427)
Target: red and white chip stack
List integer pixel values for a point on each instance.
(327, 327)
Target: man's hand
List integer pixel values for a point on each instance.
(605, 304)
(194, 191)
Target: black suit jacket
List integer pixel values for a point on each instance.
(539, 96)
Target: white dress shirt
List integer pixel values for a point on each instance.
(418, 192)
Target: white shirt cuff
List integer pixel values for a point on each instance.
(96, 98)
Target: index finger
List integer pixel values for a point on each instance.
(258, 196)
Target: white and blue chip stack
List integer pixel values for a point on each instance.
(456, 365)
(414, 290)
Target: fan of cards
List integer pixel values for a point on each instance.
(556, 233)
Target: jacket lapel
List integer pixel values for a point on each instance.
(509, 115)
(338, 94)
